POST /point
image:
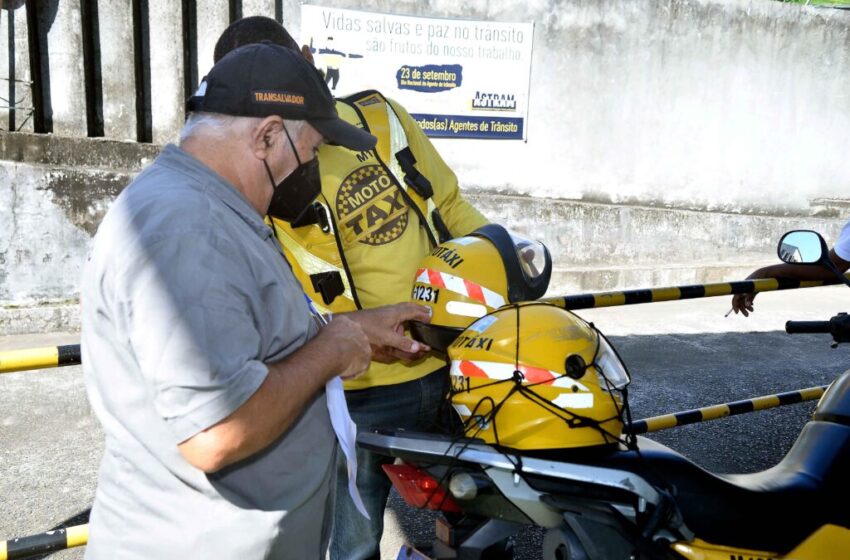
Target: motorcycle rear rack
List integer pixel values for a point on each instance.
(443, 450)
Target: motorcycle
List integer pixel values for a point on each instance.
(543, 397)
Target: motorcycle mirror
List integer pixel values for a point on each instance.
(803, 247)
(807, 247)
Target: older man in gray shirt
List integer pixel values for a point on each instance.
(202, 359)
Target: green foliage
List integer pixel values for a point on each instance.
(820, 2)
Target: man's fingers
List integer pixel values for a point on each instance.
(413, 312)
(383, 355)
(387, 355)
(404, 344)
(743, 303)
(406, 356)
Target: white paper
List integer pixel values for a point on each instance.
(346, 434)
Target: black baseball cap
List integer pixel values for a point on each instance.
(263, 79)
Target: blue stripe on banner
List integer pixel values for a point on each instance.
(462, 126)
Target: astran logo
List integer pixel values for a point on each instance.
(494, 101)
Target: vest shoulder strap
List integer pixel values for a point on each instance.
(380, 118)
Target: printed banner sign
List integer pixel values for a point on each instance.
(458, 78)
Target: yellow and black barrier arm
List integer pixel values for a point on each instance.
(714, 412)
(44, 543)
(650, 295)
(40, 358)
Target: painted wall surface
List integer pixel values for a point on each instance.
(166, 70)
(212, 20)
(17, 89)
(641, 113)
(598, 247)
(67, 86)
(118, 77)
(42, 251)
(736, 105)
(716, 104)
(258, 8)
(55, 191)
(58, 190)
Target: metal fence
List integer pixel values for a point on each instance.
(118, 69)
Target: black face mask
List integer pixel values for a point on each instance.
(294, 195)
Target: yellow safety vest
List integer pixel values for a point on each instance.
(314, 250)
(377, 205)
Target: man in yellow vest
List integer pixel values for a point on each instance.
(359, 245)
(333, 60)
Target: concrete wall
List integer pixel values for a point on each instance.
(734, 105)
(670, 142)
(118, 77)
(212, 20)
(59, 189)
(598, 246)
(67, 86)
(55, 192)
(20, 78)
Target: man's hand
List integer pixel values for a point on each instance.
(347, 339)
(743, 303)
(384, 327)
(340, 348)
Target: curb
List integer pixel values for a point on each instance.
(60, 317)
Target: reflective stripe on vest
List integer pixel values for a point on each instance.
(398, 141)
(383, 122)
(307, 264)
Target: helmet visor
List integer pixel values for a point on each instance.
(612, 371)
(531, 256)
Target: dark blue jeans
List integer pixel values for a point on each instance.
(415, 405)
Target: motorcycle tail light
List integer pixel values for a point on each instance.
(419, 489)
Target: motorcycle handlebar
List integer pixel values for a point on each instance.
(838, 327)
(800, 327)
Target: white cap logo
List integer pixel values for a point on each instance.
(202, 89)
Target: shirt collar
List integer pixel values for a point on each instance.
(215, 185)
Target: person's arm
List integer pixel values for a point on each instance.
(194, 333)
(343, 347)
(459, 215)
(340, 348)
(384, 327)
(743, 303)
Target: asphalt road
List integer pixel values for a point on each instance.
(681, 355)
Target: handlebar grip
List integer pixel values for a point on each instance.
(800, 327)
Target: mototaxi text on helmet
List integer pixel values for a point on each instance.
(465, 278)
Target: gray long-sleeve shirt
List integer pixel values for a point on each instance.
(185, 297)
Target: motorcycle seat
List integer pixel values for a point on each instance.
(773, 510)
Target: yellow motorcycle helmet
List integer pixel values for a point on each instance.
(558, 385)
(466, 278)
